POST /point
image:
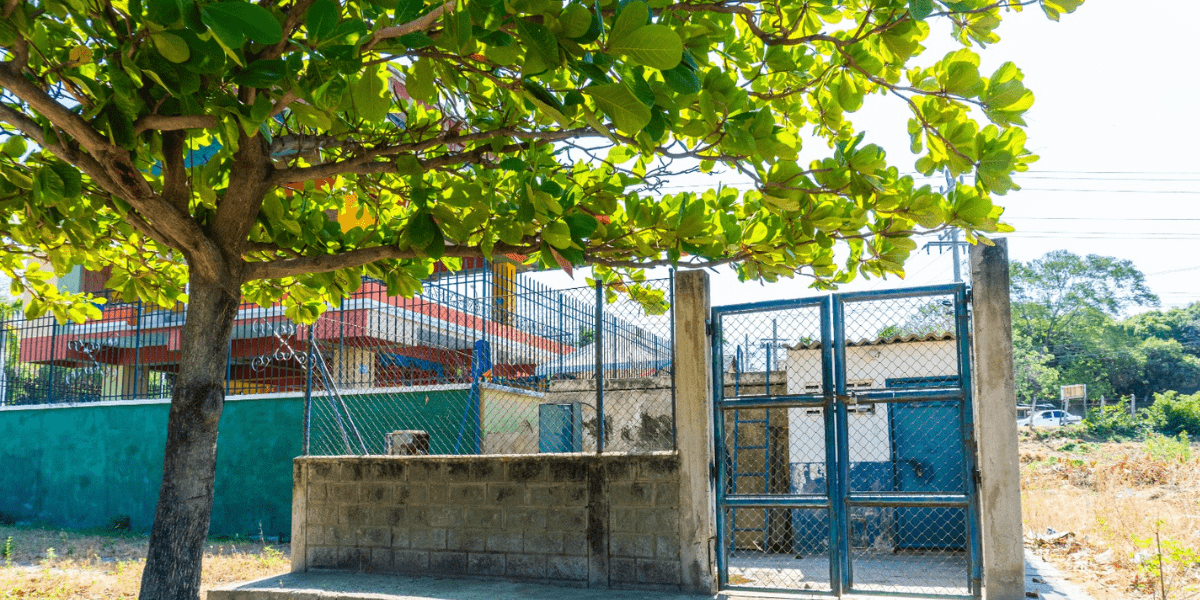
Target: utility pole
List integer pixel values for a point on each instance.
(949, 238)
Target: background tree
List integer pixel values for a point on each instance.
(1035, 378)
(202, 142)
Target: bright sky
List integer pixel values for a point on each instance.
(1116, 125)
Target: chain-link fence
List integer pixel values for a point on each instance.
(481, 361)
(843, 460)
(491, 363)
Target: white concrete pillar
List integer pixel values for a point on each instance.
(694, 431)
(995, 406)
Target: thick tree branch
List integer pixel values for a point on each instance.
(292, 267)
(164, 123)
(295, 16)
(175, 187)
(238, 209)
(418, 24)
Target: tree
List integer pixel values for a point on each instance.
(1058, 291)
(1034, 378)
(201, 142)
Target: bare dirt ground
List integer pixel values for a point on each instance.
(1120, 519)
(53, 564)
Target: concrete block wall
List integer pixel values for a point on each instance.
(579, 520)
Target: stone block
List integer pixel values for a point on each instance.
(662, 572)
(439, 493)
(543, 543)
(350, 470)
(525, 519)
(666, 495)
(658, 521)
(427, 539)
(486, 470)
(471, 540)
(408, 493)
(622, 519)
(572, 568)
(660, 468)
(322, 557)
(467, 493)
(381, 560)
(620, 470)
(410, 561)
(448, 562)
(526, 471)
(483, 517)
(400, 537)
(505, 494)
(375, 493)
(667, 547)
(321, 471)
(568, 469)
(339, 535)
(530, 566)
(622, 570)
(457, 472)
(425, 470)
(314, 536)
(357, 559)
(386, 471)
(505, 541)
(443, 516)
(631, 494)
(566, 519)
(563, 494)
(343, 492)
(354, 515)
(485, 563)
(631, 544)
(375, 537)
(316, 492)
(395, 516)
(575, 544)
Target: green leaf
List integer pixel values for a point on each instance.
(261, 73)
(171, 46)
(407, 164)
(371, 96)
(682, 79)
(421, 227)
(234, 22)
(47, 186)
(629, 113)
(920, 9)
(541, 45)
(575, 20)
(582, 225)
(14, 146)
(322, 18)
(163, 12)
(634, 16)
(557, 234)
(419, 82)
(655, 46)
(416, 40)
(70, 177)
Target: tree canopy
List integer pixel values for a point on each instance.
(281, 150)
(536, 127)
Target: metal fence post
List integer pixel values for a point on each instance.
(137, 353)
(53, 350)
(599, 342)
(308, 392)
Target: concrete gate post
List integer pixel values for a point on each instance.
(694, 431)
(995, 409)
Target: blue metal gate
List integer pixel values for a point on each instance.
(845, 445)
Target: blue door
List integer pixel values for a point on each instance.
(928, 457)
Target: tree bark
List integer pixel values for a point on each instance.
(181, 520)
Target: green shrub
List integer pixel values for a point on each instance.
(1173, 414)
(1169, 449)
(1114, 421)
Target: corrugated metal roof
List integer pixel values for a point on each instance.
(937, 336)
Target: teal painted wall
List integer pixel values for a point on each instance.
(80, 466)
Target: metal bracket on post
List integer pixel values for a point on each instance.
(708, 327)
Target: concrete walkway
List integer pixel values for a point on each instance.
(1040, 577)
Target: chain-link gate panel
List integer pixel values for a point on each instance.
(845, 460)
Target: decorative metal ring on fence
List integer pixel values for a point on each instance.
(281, 331)
(88, 349)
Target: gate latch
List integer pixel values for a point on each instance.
(851, 399)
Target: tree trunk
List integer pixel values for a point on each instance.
(185, 500)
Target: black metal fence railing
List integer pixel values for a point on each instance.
(483, 361)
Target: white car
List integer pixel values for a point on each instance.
(1049, 418)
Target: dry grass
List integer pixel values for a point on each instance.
(56, 564)
(1112, 498)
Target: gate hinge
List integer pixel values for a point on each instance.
(969, 295)
(978, 476)
(708, 327)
